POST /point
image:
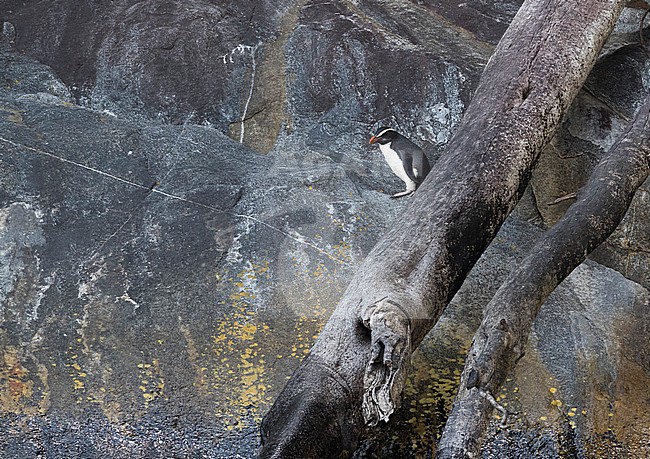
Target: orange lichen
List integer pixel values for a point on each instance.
(19, 391)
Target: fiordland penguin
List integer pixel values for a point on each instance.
(405, 158)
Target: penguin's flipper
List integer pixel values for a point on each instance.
(421, 164)
(407, 162)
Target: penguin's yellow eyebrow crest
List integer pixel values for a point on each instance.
(383, 132)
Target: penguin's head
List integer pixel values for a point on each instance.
(384, 135)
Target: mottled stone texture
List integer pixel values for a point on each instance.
(160, 279)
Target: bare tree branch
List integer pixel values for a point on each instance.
(500, 340)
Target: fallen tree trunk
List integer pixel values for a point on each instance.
(356, 370)
(500, 340)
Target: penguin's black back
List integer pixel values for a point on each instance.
(410, 153)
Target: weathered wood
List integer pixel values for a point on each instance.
(500, 340)
(356, 369)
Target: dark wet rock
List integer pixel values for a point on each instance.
(285, 65)
(166, 60)
(141, 274)
(160, 279)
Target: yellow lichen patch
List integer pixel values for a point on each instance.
(320, 270)
(240, 377)
(9, 84)
(77, 375)
(348, 220)
(306, 330)
(342, 251)
(243, 342)
(248, 331)
(236, 371)
(152, 384)
(530, 379)
(428, 395)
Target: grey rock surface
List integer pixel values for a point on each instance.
(186, 189)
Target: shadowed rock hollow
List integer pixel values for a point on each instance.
(186, 189)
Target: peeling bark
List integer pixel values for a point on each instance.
(356, 370)
(500, 340)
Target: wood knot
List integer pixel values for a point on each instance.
(472, 379)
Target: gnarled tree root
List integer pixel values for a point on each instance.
(385, 375)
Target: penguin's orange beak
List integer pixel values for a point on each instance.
(373, 139)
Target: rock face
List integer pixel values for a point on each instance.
(186, 188)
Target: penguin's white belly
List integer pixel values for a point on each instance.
(395, 163)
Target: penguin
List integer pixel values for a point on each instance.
(405, 158)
